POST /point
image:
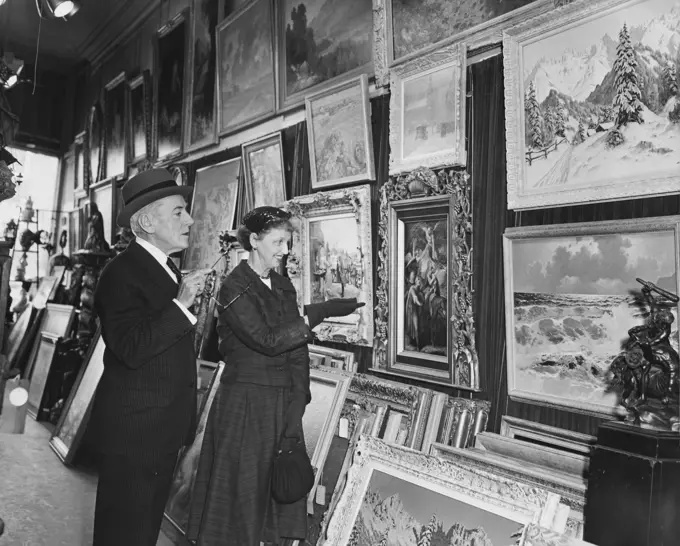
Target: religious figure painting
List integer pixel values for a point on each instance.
(245, 65)
(170, 75)
(321, 41)
(340, 136)
(264, 176)
(572, 297)
(114, 127)
(592, 103)
(201, 85)
(213, 208)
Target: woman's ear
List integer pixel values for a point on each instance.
(253, 240)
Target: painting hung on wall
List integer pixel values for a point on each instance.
(263, 164)
(427, 111)
(571, 297)
(213, 208)
(201, 85)
(169, 75)
(416, 25)
(340, 136)
(139, 116)
(231, 6)
(79, 158)
(103, 198)
(321, 41)
(114, 127)
(94, 138)
(245, 64)
(331, 257)
(612, 132)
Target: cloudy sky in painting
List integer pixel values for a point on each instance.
(603, 264)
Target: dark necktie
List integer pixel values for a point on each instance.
(175, 270)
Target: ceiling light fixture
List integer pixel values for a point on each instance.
(57, 8)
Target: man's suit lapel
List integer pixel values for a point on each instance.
(150, 268)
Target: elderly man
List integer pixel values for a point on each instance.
(145, 407)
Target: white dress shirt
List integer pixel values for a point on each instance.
(162, 259)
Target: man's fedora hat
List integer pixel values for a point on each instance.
(145, 188)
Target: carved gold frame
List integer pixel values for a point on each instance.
(464, 361)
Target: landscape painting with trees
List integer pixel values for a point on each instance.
(601, 104)
(324, 39)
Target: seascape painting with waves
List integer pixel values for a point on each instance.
(574, 298)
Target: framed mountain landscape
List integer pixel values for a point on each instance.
(592, 109)
(400, 497)
(571, 295)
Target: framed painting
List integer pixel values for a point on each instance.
(205, 373)
(213, 207)
(246, 92)
(231, 6)
(75, 415)
(427, 111)
(538, 433)
(332, 358)
(608, 135)
(102, 196)
(41, 365)
(169, 81)
(533, 535)
(394, 494)
(263, 170)
(47, 289)
(94, 142)
(425, 231)
(139, 117)
(339, 134)
(177, 507)
(322, 43)
(79, 159)
(331, 257)
(56, 320)
(114, 127)
(571, 297)
(415, 28)
(201, 77)
(571, 491)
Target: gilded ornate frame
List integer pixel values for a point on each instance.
(355, 201)
(464, 361)
(346, 358)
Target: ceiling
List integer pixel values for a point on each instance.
(63, 43)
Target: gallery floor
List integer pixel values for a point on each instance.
(43, 502)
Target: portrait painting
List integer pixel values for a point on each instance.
(138, 116)
(417, 24)
(103, 198)
(74, 416)
(340, 136)
(572, 295)
(95, 135)
(322, 41)
(171, 46)
(201, 85)
(114, 126)
(213, 208)
(264, 176)
(331, 257)
(179, 498)
(427, 111)
(612, 132)
(398, 497)
(245, 66)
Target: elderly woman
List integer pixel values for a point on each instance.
(262, 396)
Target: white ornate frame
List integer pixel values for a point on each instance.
(533, 535)
(452, 56)
(611, 227)
(273, 139)
(361, 87)
(357, 202)
(514, 41)
(349, 363)
(477, 487)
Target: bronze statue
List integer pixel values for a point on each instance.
(96, 242)
(647, 369)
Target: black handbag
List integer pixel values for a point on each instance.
(292, 474)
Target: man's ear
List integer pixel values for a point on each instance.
(147, 223)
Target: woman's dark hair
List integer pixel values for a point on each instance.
(260, 221)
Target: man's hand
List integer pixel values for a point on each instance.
(191, 286)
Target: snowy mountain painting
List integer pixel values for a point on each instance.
(574, 299)
(601, 107)
(396, 512)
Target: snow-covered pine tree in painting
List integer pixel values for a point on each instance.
(614, 73)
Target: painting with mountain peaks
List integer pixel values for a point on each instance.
(396, 512)
(595, 111)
